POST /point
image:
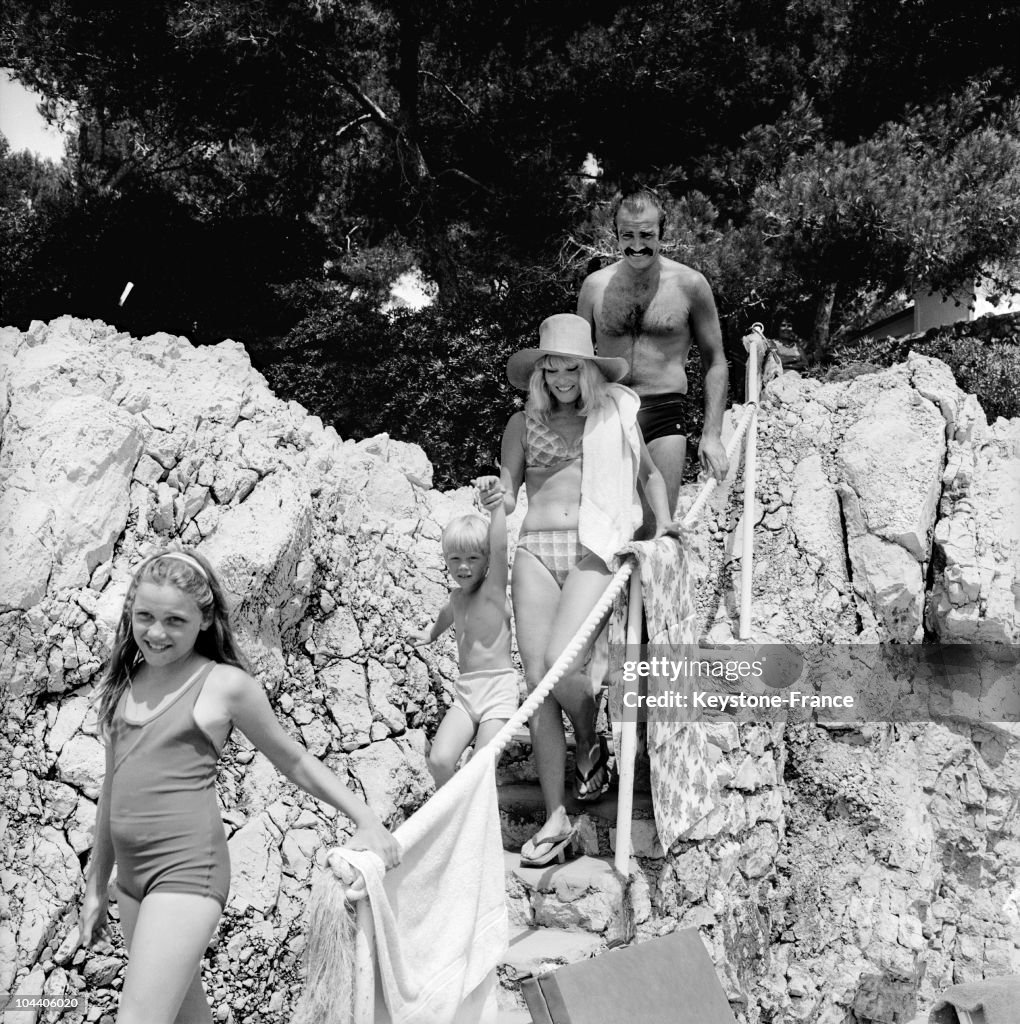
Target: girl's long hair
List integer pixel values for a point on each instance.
(191, 573)
(593, 386)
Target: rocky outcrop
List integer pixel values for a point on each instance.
(977, 540)
(886, 512)
(847, 869)
(898, 874)
(113, 446)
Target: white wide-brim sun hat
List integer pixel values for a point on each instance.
(567, 335)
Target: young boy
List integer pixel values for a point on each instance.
(487, 691)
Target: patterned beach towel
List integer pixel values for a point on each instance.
(684, 789)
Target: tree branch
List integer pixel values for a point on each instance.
(372, 109)
(351, 126)
(450, 92)
(467, 177)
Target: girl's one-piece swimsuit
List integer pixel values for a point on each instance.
(164, 817)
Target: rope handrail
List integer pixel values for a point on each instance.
(339, 947)
(419, 823)
(731, 449)
(562, 663)
(602, 606)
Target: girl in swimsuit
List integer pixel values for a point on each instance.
(174, 689)
(556, 581)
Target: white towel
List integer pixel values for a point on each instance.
(440, 917)
(610, 509)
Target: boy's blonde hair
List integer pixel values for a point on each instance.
(466, 533)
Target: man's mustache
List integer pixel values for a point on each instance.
(636, 252)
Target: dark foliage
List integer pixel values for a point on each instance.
(435, 377)
(987, 366)
(264, 169)
(206, 280)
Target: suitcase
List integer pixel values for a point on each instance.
(668, 980)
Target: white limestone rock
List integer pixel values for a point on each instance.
(347, 700)
(66, 720)
(256, 865)
(892, 458)
(82, 764)
(298, 849)
(815, 520)
(410, 459)
(393, 775)
(976, 594)
(63, 497)
(52, 880)
(330, 548)
(259, 549)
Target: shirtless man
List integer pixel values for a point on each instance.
(648, 309)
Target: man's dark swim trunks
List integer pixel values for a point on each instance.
(659, 416)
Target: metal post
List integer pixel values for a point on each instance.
(628, 736)
(750, 461)
(364, 964)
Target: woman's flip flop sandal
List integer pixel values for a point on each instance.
(557, 850)
(596, 780)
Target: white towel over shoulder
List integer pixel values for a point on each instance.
(610, 509)
(440, 917)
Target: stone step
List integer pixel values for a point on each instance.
(517, 765)
(584, 894)
(522, 813)
(516, 1015)
(537, 951)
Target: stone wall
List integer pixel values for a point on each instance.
(899, 873)
(721, 878)
(845, 871)
(886, 510)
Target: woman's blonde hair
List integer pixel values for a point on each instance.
(594, 387)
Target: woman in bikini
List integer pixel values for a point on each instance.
(578, 451)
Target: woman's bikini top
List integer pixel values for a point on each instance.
(544, 448)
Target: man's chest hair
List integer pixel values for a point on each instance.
(637, 308)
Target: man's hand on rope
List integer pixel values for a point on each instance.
(712, 456)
